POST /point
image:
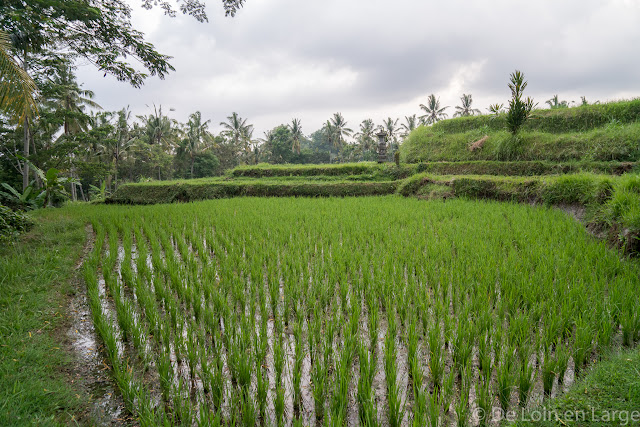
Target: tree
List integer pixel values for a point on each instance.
(337, 130)
(465, 109)
(157, 128)
(276, 146)
(97, 31)
(123, 140)
(433, 110)
(410, 123)
(194, 8)
(17, 91)
(390, 126)
(364, 137)
(519, 109)
(68, 100)
(555, 103)
(296, 135)
(239, 132)
(197, 133)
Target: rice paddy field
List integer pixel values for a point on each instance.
(351, 311)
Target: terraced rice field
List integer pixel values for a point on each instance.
(367, 311)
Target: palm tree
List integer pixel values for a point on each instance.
(390, 126)
(296, 135)
(197, 133)
(17, 89)
(338, 130)
(238, 131)
(365, 136)
(411, 122)
(554, 103)
(123, 140)
(70, 99)
(248, 142)
(465, 109)
(158, 128)
(67, 98)
(433, 110)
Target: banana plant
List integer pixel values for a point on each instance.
(53, 184)
(29, 199)
(99, 193)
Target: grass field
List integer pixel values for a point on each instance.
(372, 310)
(605, 132)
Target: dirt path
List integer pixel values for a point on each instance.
(89, 371)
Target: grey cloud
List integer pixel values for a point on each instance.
(374, 55)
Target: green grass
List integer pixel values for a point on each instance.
(611, 387)
(556, 121)
(615, 142)
(35, 275)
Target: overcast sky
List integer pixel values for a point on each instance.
(280, 59)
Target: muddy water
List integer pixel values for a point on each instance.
(106, 407)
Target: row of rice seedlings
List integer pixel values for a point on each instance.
(395, 412)
(135, 395)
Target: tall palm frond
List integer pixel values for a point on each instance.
(17, 89)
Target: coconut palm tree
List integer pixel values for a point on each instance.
(338, 130)
(364, 137)
(238, 132)
(122, 141)
(197, 133)
(17, 96)
(68, 98)
(465, 109)
(158, 128)
(296, 135)
(410, 123)
(434, 112)
(390, 126)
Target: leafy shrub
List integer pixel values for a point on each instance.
(13, 223)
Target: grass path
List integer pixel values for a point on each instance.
(36, 283)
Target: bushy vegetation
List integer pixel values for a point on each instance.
(12, 223)
(556, 135)
(221, 307)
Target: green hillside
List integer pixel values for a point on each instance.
(602, 132)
